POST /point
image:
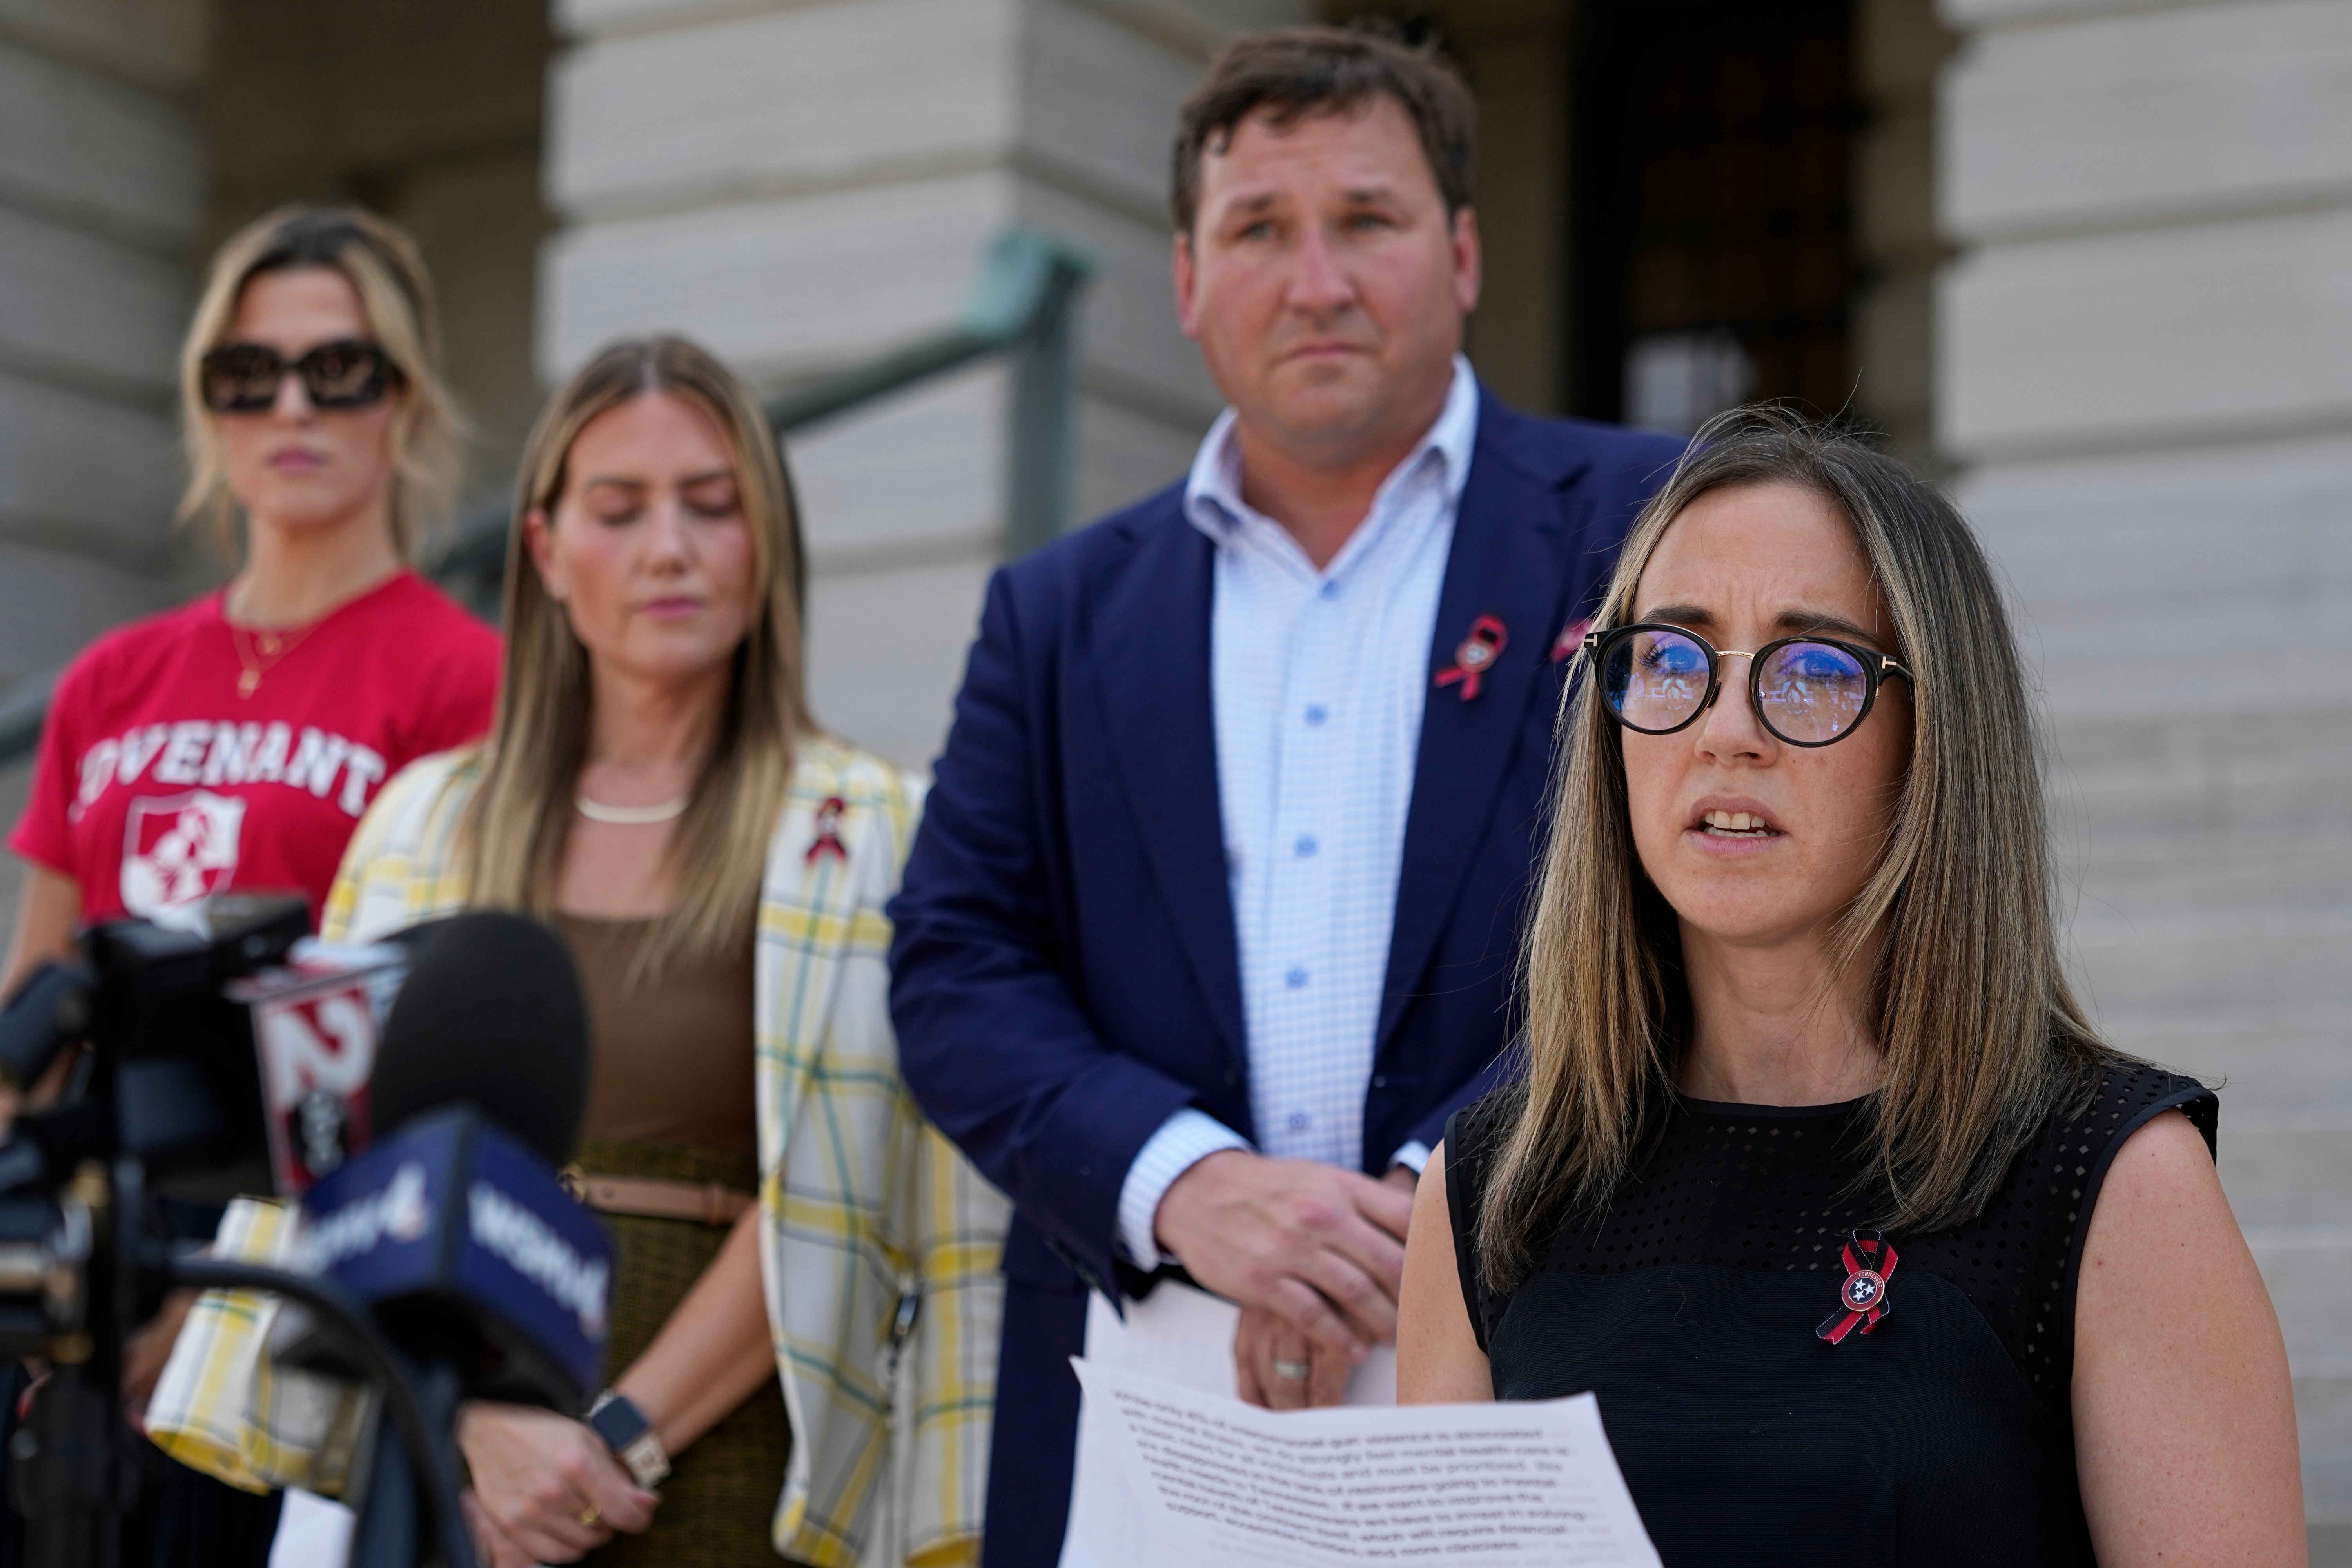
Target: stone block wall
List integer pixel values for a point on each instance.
(2144, 364)
(1898, 48)
(100, 201)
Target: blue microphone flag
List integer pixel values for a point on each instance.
(452, 1222)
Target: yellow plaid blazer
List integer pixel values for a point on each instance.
(881, 1248)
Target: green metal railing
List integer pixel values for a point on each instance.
(1021, 306)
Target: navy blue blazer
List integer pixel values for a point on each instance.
(1064, 968)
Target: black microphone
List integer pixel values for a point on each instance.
(491, 1014)
(452, 1228)
(50, 1010)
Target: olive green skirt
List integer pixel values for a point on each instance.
(721, 1498)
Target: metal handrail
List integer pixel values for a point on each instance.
(1021, 305)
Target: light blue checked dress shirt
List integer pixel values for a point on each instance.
(1318, 681)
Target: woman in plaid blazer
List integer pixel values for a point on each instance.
(654, 649)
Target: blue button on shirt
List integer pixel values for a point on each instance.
(1318, 681)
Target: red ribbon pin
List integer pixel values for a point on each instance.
(828, 830)
(1572, 638)
(1476, 656)
(1869, 1265)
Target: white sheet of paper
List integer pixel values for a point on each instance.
(1523, 1485)
(313, 1531)
(1182, 1335)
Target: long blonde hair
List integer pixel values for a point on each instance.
(396, 295)
(521, 818)
(1980, 1034)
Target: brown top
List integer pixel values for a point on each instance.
(672, 1058)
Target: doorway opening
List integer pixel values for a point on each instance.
(1713, 209)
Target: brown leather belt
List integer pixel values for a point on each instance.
(646, 1197)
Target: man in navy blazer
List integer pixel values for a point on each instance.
(1211, 919)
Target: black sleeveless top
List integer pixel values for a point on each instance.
(1691, 1305)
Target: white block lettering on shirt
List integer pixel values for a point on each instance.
(183, 754)
(317, 756)
(97, 769)
(268, 764)
(231, 758)
(138, 749)
(361, 768)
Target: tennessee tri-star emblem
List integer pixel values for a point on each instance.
(1476, 656)
(1862, 1298)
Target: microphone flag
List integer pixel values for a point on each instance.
(464, 1244)
(316, 1027)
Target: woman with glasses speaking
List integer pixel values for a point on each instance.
(236, 741)
(1818, 1175)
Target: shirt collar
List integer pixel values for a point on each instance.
(1212, 490)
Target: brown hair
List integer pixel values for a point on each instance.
(1292, 72)
(1980, 1034)
(395, 293)
(520, 818)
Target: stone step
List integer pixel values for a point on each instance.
(2209, 792)
(2230, 626)
(2207, 959)
(2322, 1419)
(2284, 1071)
(2126, 876)
(2290, 1178)
(2208, 869)
(2186, 732)
(2277, 1069)
(2307, 1270)
(2130, 685)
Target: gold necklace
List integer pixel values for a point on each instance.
(257, 652)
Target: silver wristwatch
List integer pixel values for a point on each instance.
(626, 1431)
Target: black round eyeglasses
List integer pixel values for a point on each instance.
(1807, 691)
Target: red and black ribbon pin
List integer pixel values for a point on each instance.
(1476, 656)
(1869, 1265)
(1570, 638)
(828, 830)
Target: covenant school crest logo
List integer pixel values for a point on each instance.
(178, 850)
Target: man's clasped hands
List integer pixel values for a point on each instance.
(1313, 1254)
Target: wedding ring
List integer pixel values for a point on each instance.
(591, 1516)
(1291, 1371)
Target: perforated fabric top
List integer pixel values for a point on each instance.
(1778, 1189)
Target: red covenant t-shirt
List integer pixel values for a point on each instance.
(158, 786)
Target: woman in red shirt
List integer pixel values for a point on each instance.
(236, 741)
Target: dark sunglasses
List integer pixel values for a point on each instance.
(244, 378)
(1808, 691)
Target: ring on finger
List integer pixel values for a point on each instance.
(591, 1516)
(1291, 1371)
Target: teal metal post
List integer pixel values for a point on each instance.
(1044, 414)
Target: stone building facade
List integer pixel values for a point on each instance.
(2089, 259)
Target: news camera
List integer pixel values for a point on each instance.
(224, 1055)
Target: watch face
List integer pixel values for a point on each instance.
(618, 1421)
